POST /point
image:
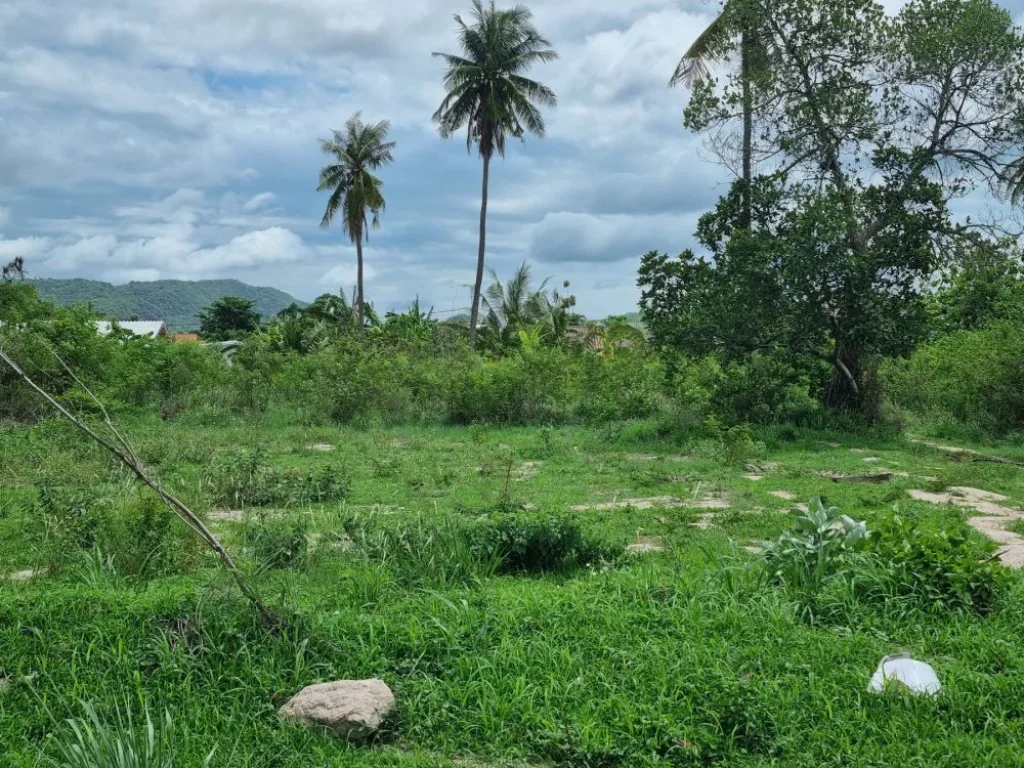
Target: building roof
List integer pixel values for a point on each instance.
(137, 327)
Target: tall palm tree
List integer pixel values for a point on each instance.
(737, 17)
(356, 196)
(487, 93)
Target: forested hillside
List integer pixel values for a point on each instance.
(177, 302)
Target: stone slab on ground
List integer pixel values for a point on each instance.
(352, 709)
(654, 502)
(993, 523)
(646, 544)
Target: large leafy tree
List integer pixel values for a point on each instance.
(488, 94)
(874, 123)
(356, 197)
(230, 317)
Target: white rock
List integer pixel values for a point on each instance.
(915, 675)
(352, 709)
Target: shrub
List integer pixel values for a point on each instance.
(70, 522)
(438, 553)
(820, 545)
(533, 543)
(973, 377)
(896, 565)
(278, 544)
(244, 478)
(762, 389)
(136, 537)
(936, 570)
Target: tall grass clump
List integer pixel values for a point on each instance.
(123, 742)
(246, 478)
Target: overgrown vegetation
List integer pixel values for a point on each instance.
(508, 632)
(566, 542)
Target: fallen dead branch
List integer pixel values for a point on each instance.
(119, 446)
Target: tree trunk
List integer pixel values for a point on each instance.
(746, 75)
(359, 284)
(475, 312)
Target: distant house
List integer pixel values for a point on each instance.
(155, 328)
(185, 338)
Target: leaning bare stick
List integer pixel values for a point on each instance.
(119, 445)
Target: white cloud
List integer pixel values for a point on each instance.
(345, 275)
(583, 237)
(5, 215)
(24, 247)
(151, 139)
(262, 200)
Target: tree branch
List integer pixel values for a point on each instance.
(121, 448)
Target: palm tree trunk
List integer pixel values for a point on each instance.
(359, 283)
(746, 75)
(475, 312)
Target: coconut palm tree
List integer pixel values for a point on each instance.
(514, 305)
(356, 197)
(489, 95)
(737, 17)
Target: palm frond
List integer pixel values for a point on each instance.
(486, 92)
(702, 53)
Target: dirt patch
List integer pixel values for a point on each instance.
(784, 495)
(646, 544)
(227, 516)
(871, 459)
(754, 478)
(708, 519)
(526, 470)
(25, 575)
(970, 498)
(967, 453)
(321, 447)
(653, 457)
(834, 445)
(655, 502)
(995, 522)
(839, 477)
(1011, 545)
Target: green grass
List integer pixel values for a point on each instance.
(683, 657)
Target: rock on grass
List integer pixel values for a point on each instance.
(352, 709)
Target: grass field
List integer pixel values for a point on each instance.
(686, 655)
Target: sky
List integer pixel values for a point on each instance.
(146, 139)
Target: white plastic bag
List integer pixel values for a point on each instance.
(915, 675)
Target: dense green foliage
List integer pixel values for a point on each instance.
(829, 252)
(229, 317)
(688, 656)
(176, 302)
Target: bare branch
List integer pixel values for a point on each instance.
(121, 448)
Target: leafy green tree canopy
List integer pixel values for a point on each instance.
(874, 123)
(230, 317)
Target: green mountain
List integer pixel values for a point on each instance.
(176, 302)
